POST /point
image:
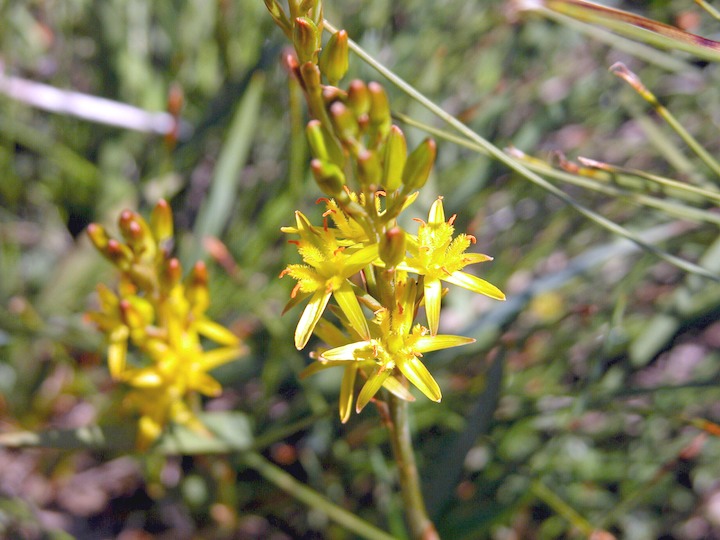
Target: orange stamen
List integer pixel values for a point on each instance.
(452, 219)
(472, 238)
(295, 290)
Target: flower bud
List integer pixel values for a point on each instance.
(98, 236)
(395, 158)
(161, 221)
(379, 105)
(344, 122)
(419, 164)
(119, 254)
(359, 98)
(323, 144)
(278, 15)
(369, 171)
(306, 39)
(197, 291)
(334, 57)
(392, 247)
(328, 176)
(171, 274)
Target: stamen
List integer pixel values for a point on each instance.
(452, 219)
(295, 242)
(295, 290)
(472, 238)
(323, 200)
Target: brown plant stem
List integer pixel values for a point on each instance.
(420, 525)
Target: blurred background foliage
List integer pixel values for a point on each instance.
(589, 399)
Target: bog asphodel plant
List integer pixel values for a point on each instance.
(378, 274)
(162, 316)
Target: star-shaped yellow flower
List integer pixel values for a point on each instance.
(328, 267)
(440, 257)
(395, 347)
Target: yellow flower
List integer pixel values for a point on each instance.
(328, 267)
(163, 317)
(395, 347)
(440, 257)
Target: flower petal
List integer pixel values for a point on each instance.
(117, 358)
(360, 259)
(436, 343)
(347, 389)
(216, 332)
(437, 213)
(318, 366)
(219, 356)
(350, 306)
(345, 352)
(371, 387)
(433, 295)
(473, 258)
(417, 374)
(475, 284)
(310, 317)
(398, 388)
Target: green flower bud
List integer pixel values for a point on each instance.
(278, 15)
(344, 122)
(328, 176)
(369, 171)
(392, 247)
(323, 144)
(334, 58)
(418, 166)
(358, 98)
(379, 105)
(395, 158)
(306, 38)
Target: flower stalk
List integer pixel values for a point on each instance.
(399, 427)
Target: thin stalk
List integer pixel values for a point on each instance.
(313, 499)
(714, 13)
(554, 501)
(498, 154)
(399, 427)
(620, 70)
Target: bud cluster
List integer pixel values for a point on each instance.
(378, 274)
(161, 315)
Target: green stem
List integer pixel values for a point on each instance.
(304, 494)
(399, 427)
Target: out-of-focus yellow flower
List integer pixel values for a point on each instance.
(163, 317)
(440, 257)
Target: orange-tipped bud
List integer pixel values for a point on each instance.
(419, 164)
(197, 291)
(334, 57)
(329, 177)
(306, 38)
(161, 221)
(369, 170)
(344, 122)
(323, 144)
(171, 274)
(98, 236)
(379, 105)
(119, 254)
(359, 98)
(395, 158)
(392, 247)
